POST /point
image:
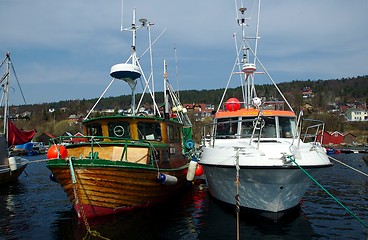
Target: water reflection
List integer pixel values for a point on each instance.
(193, 215)
(37, 208)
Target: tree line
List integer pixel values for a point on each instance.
(325, 92)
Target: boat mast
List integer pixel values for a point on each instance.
(132, 83)
(5, 81)
(130, 72)
(6, 93)
(166, 92)
(249, 66)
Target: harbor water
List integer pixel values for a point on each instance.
(37, 208)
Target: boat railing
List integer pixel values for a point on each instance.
(67, 140)
(311, 130)
(93, 142)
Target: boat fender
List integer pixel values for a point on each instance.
(57, 151)
(166, 179)
(189, 143)
(192, 169)
(12, 163)
(331, 151)
(199, 170)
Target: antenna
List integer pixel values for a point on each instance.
(177, 72)
(122, 16)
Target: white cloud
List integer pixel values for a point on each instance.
(74, 43)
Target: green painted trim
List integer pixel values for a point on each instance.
(93, 163)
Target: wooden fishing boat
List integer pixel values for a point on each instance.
(127, 161)
(11, 167)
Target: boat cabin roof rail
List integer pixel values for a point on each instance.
(312, 130)
(66, 140)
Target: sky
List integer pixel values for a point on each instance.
(63, 50)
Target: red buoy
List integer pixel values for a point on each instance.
(232, 104)
(199, 170)
(57, 151)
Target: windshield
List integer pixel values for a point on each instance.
(149, 131)
(244, 127)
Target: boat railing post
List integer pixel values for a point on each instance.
(316, 133)
(203, 139)
(92, 140)
(213, 134)
(322, 133)
(299, 127)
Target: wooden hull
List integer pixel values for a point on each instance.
(102, 190)
(117, 167)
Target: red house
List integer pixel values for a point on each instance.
(332, 138)
(78, 137)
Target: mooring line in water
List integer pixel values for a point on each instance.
(237, 197)
(333, 197)
(85, 220)
(346, 165)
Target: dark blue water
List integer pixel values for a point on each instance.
(37, 208)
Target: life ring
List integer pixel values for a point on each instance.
(189, 143)
(119, 131)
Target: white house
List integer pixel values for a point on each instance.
(358, 115)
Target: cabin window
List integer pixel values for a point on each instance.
(149, 131)
(173, 133)
(94, 129)
(247, 127)
(119, 129)
(287, 127)
(165, 156)
(269, 128)
(227, 127)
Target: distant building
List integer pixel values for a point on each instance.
(45, 138)
(76, 117)
(332, 138)
(349, 138)
(200, 110)
(67, 137)
(356, 115)
(78, 137)
(337, 138)
(307, 92)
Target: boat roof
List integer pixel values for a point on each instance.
(127, 117)
(253, 113)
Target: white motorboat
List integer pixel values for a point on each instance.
(256, 154)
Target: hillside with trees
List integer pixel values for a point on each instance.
(53, 117)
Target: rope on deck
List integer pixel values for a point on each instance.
(333, 197)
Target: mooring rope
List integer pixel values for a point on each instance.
(81, 209)
(38, 161)
(237, 197)
(333, 197)
(346, 165)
